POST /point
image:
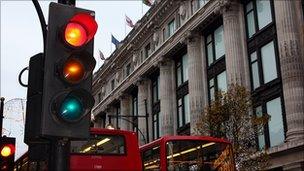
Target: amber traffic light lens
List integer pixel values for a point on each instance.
(7, 150)
(73, 71)
(75, 34)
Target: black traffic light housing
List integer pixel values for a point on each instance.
(7, 153)
(68, 66)
(60, 80)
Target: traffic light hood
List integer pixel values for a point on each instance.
(80, 29)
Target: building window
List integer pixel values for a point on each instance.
(215, 45)
(128, 69)
(183, 110)
(183, 113)
(156, 123)
(141, 56)
(147, 50)
(218, 83)
(118, 120)
(202, 3)
(155, 89)
(194, 6)
(135, 112)
(171, 27)
(216, 69)
(164, 34)
(258, 15)
(156, 126)
(303, 6)
(273, 133)
(99, 97)
(263, 63)
(182, 70)
(112, 84)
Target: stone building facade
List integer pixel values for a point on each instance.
(181, 52)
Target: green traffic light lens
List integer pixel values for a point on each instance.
(71, 109)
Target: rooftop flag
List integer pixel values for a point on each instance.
(101, 56)
(147, 2)
(114, 41)
(129, 22)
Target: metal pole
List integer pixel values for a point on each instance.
(1, 114)
(60, 155)
(147, 120)
(67, 2)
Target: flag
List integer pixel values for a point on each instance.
(101, 55)
(115, 41)
(147, 2)
(129, 22)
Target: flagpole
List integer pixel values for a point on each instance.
(125, 26)
(142, 8)
(111, 44)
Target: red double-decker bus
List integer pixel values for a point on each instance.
(191, 153)
(105, 150)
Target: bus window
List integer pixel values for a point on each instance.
(198, 155)
(151, 159)
(100, 144)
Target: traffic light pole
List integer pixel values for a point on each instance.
(59, 157)
(67, 2)
(1, 114)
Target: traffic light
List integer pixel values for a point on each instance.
(68, 67)
(7, 153)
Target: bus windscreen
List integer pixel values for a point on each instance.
(199, 155)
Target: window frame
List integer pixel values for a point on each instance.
(258, 49)
(155, 105)
(272, 89)
(128, 70)
(112, 84)
(257, 30)
(181, 91)
(213, 45)
(169, 34)
(218, 65)
(147, 50)
(263, 103)
(135, 114)
(117, 113)
(215, 82)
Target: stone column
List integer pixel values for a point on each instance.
(196, 83)
(235, 43)
(125, 103)
(142, 85)
(292, 65)
(166, 96)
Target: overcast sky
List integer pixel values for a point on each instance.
(21, 36)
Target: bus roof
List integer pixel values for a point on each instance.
(180, 137)
(110, 131)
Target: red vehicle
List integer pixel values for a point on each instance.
(105, 150)
(175, 153)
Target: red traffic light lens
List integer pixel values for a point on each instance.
(75, 34)
(80, 29)
(7, 150)
(73, 70)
